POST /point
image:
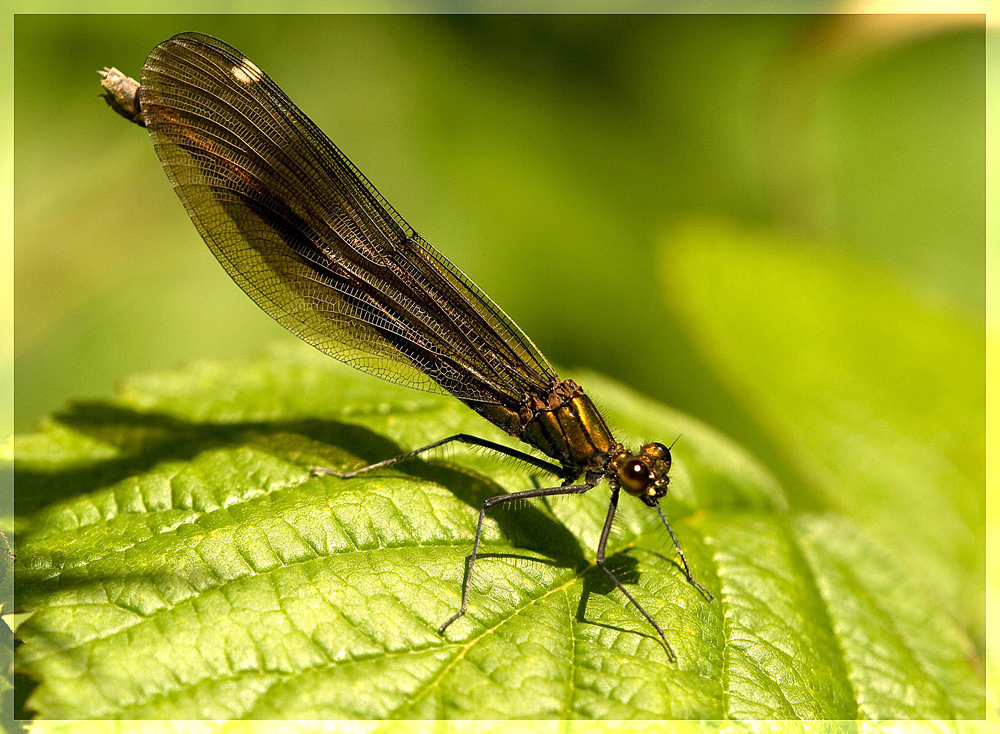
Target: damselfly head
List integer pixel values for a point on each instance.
(644, 475)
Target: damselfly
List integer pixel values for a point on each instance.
(313, 243)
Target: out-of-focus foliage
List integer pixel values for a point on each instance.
(874, 397)
(544, 155)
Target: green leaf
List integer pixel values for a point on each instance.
(523, 727)
(183, 562)
(873, 394)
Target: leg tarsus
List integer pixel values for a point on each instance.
(324, 471)
(680, 551)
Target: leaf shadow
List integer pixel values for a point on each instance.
(145, 439)
(595, 581)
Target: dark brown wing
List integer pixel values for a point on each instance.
(312, 242)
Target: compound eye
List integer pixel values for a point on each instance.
(657, 452)
(635, 477)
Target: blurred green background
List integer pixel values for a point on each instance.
(547, 156)
(636, 191)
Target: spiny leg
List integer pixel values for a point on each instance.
(496, 500)
(461, 438)
(687, 570)
(601, 549)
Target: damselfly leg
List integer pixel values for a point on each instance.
(602, 547)
(684, 561)
(487, 504)
(459, 438)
